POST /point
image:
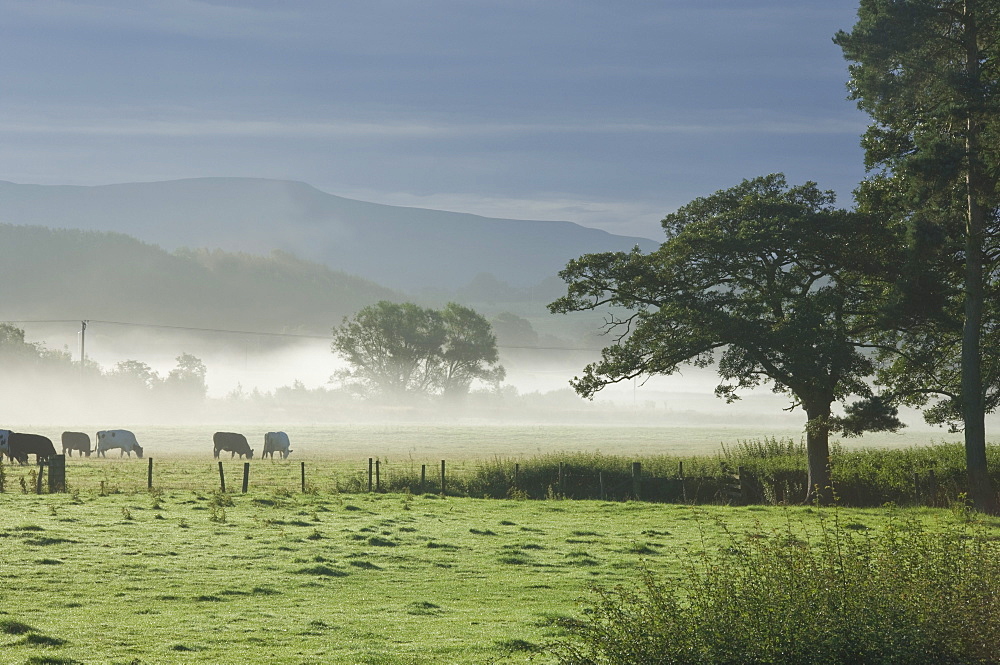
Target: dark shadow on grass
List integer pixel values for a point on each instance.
(9, 627)
(322, 571)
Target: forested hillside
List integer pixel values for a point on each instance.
(70, 274)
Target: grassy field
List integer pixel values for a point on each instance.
(187, 576)
(112, 573)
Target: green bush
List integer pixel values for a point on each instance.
(906, 595)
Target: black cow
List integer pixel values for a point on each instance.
(78, 441)
(235, 443)
(21, 445)
(4, 447)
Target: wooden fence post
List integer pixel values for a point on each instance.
(517, 474)
(560, 484)
(423, 477)
(378, 475)
(303, 477)
(57, 473)
(600, 479)
(246, 476)
(443, 490)
(680, 474)
(149, 475)
(38, 478)
(637, 480)
(746, 484)
(222, 477)
(371, 464)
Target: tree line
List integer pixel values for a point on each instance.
(19, 357)
(892, 302)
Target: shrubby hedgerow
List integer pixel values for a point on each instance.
(909, 594)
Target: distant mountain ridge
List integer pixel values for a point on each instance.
(403, 248)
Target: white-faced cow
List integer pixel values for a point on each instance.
(118, 438)
(78, 441)
(20, 445)
(234, 443)
(276, 442)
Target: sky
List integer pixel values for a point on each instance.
(608, 114)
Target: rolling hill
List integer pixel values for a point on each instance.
(71, 274)
(404, 248)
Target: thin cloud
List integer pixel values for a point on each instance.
(747, 123)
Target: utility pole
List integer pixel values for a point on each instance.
(83, 339)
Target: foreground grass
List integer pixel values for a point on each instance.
(199, 577)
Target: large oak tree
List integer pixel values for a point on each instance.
(763, 281)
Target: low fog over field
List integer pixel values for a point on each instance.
(258, 383)
(246, 368)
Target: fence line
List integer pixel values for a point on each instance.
(497, 480)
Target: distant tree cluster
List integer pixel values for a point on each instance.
(402, 350)
(186, 381)
(18, 354)
(31, 369)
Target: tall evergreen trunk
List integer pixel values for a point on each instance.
(927, 72)
(973, 402)
(818, 454)
(973, 407)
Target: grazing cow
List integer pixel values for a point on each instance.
(235, 443)
(4, 447)
(78, 441)
(19, 446)
(276, 442)
(118, 438)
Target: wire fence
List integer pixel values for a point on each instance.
(481, 479)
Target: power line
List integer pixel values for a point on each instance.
(169, 327)
(264, 334)
(214, 330)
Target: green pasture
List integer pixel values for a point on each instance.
(457, 441)
(276, 576)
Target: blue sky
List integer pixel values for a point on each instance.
(609, 114)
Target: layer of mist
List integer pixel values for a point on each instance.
(265, 383)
